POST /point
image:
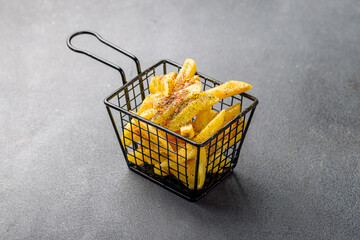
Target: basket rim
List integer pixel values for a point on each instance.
(198, 145)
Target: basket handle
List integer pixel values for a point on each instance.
(102, 60)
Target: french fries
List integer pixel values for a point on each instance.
(167, 83)
(188, 110)
(132, 131)
(154, 86)
(218, 164)
(172, 103)
(203, 118)
(148, 102)
(187, 71)
(187, 174)
(187, 131)
(211, 128)
(229, 89)
(177, 103)
(231, 113)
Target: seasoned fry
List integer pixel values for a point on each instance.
(191, 109)
(229, 89)
(148, 102)
(193, 80)
(187, 71)
(172, 103)
(148, 114)
(194, 88)
(167, 83)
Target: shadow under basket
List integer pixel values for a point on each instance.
(158, 153)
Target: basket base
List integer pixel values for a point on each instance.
(166, 182)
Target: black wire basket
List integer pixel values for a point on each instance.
(180, 177)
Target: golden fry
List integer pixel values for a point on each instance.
(191, 81)
(148, 102)
(231, 113)
(187, 111)
(229, 89)
(167, 83)
(136, 157)
(156, 136)
(214, 126)
(203, 118)
(202, 168)
(154, 86)
(172, 103)
(161, 171)
(187, 71)
(187, 131)
(229, 139)
(132, 131)
(187, 176)
(141, 155)
(218, 165)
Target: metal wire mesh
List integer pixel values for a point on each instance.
(151, 144)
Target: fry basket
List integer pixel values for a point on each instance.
(180, 177)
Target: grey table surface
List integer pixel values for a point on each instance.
(62, 173)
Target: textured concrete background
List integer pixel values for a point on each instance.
(62, 173)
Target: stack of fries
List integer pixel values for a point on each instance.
(174, 101)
